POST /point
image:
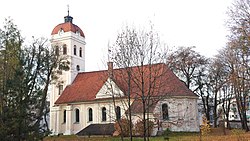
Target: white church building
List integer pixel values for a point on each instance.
(81, 100)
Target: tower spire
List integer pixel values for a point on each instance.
(68, 18)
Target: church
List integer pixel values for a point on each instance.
(81, 100)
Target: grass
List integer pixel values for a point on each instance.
(215, 135)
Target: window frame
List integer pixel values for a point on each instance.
(74, 50)
(57, 51)
(60, 89)
(164, 110)
(80, 52)
(104, 114)
(90, 115)
(78, 68)
(64, 116)
(77, 115)
(64, 49)
(118, 112)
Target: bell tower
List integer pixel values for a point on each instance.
(68, 40)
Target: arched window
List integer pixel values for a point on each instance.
(165, 115)
(80, 52)
(118, 113)
(179, 110)
(64, 49)
(74, 49)
(57, 50)
(104, 118)
(60, 89)
(77, 115)
(64, 116)
(90, 114)
(77, 67)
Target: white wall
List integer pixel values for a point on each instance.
(183, 114)
(83, 108)
(67, 77)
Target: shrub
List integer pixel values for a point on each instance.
(205, 127)
(167, 132)
(124, 124)
(139, 127)
(238, 133)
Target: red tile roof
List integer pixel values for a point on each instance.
(67, 26)
(158, 81)
(137, 106)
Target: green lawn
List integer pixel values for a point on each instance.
(215, 135)
(173, 137)
(244, 137)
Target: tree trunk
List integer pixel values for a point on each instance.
(129, 107)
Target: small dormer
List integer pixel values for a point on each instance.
(78, 33)
(60, 32)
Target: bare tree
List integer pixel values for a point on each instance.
(191, 68)
(122, 56)
(136, 51)
(239, 79)
(239, 42)
(187, 64)
(216, 79)
(227, 96)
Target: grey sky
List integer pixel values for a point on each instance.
(199, 23)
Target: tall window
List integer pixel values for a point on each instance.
(60, 89)
(80, 52)
(57, 50)
(118, 113)
(104, 118)
(64, 116)
(64, 49)
(74, 49)
(77, 115)
(165, 115)
(90, 114)
(179, 110)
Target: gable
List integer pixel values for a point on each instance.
(109, 89)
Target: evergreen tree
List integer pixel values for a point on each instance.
(27, 72)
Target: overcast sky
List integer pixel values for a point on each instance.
(199, 23)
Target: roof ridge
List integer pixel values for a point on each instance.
(104, 70)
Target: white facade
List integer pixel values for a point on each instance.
(182, 113)
(72, 126)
